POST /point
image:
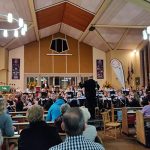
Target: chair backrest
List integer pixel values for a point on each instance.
(98, 140)
(106, 116)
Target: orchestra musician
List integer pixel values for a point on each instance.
(45, 85)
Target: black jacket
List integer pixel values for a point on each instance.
(90, 88)
(38, 136)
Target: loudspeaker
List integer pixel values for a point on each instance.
(137, 80)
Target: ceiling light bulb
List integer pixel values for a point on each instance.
(16, 33)
(23, 32)
(21, 22)
(148, 29)
(25, 27)
(145, 36)
(10, 18)
(5, 33)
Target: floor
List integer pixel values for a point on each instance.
(122, 143)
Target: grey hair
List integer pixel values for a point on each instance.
(35, 113)
(2, 105)
(64, 108)
(86, 114)
(73, 121)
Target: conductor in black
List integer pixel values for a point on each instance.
(90, 93)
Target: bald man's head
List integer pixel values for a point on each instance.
(73, 122)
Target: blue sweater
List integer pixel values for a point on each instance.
(6, 125)
(54, 111)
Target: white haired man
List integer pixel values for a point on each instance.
(90, 130)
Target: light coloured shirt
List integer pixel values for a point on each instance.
(146, 110)
(90, 132)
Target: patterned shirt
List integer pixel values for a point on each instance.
(77, 143)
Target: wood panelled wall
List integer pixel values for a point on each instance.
(81, 60)
(3, 65)
(31, 58)
(145, 65)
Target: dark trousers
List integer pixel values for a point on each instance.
(91, 104)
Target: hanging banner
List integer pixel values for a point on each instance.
(118, 69)
(100, 68)
(15, 68)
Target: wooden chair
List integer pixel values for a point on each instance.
(97, 112)
(98, 140)
(109, 125)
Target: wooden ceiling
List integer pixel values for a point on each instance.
(65, 13)
(118, 23)
(50, 16)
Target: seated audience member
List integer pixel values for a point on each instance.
(19, 104)
(11, 103)
(1, 139)
(5, 120)
(45, 85)
(90, 131)
(74, 102)
(74, 125)
(54, 111)
(58, 121)
(48, 103)
(144, 100)
(27, 104)
(39, 135)
(146, 109)
(133, 102)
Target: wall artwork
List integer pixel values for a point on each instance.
(100, 68)
(15, 68)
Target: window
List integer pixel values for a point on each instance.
(59, 45)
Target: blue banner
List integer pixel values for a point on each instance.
(15, 68)
(100, 68)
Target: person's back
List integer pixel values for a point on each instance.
(77, 143)
(58, 121)
(39, 135)
(90, 132)
(54, 111)
(1, 139)
(6, 125)
(134, 103)
(90, 86)
(19, 106)
(146, 110)
(74, 125)
(5, 120)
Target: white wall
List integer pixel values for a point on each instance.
(99, 54)
(17, 53)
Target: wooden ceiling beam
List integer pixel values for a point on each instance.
(14, 39)
(32, 10)
(124, 35)
(49, 6)
(99, 13)
(120, 26)
(141, 3)
(101, 38)
(141, 45)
